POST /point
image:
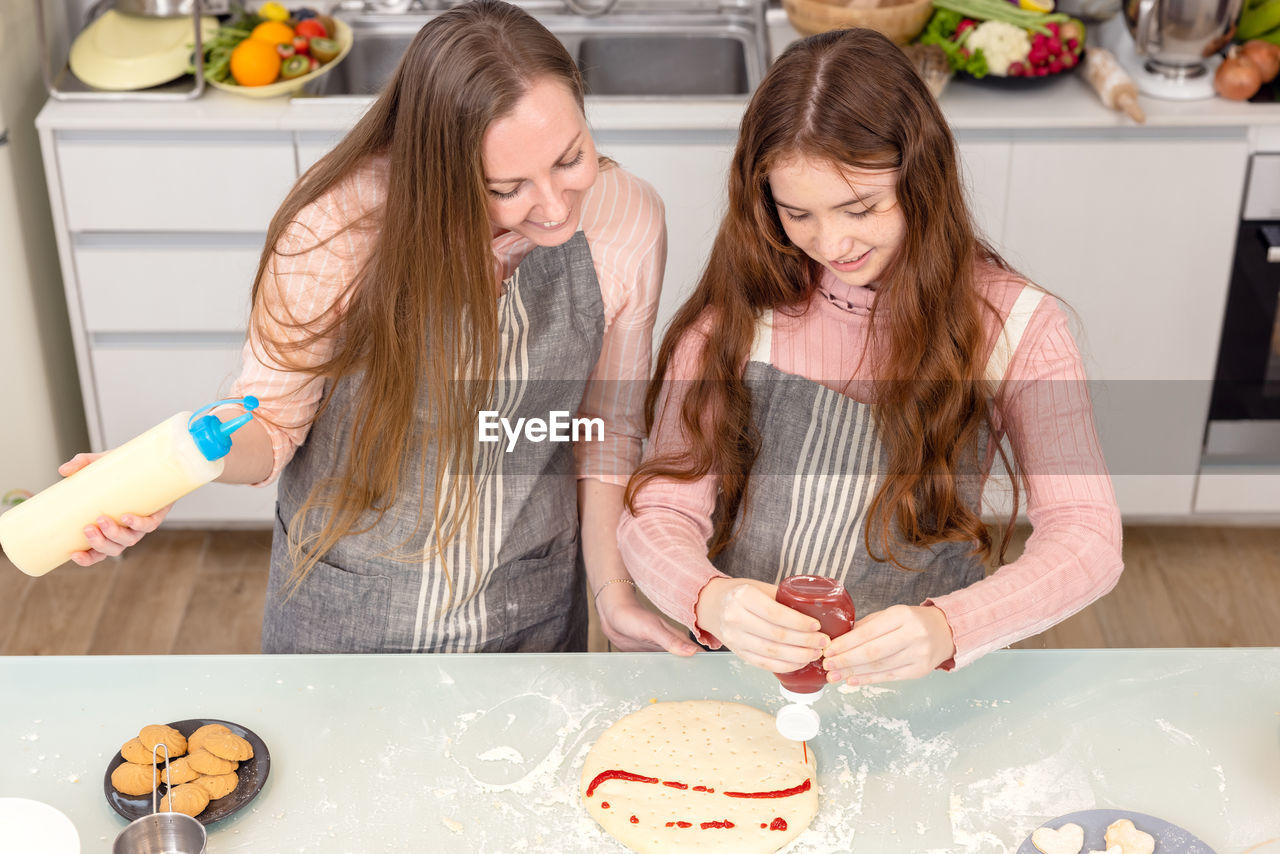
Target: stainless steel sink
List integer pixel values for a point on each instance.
(639, 49)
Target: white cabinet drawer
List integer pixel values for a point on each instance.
(174, 182)
(139, 386)
(193, 283)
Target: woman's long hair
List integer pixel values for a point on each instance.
(848, 98)
(425, 300)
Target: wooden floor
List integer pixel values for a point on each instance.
(202, 592)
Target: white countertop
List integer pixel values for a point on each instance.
(468, 753)
(969, 105)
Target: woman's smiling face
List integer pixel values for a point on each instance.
(539, 161)
(845, 218)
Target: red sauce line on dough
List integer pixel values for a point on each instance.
(604, 805)
(679, 824)
(673, 784)
(704, 789)
(707, 825)
(780, 793)
(617, 775)
(779, 823)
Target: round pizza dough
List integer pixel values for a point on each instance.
(697, 761)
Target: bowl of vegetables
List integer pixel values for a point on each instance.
(274, 51)
(996, 40)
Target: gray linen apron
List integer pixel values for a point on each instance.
(518, 583)
(820, 463)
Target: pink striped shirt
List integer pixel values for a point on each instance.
(624, 223)
(1073, 555)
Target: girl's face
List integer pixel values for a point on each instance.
(846, 219)
(539, 161)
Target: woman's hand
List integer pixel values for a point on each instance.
(631, 627)
(900, 642)
(107, 537)
(743, 615)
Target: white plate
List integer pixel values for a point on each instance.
(121, 52)
(34, 826)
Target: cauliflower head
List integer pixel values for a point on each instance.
(1001, 43)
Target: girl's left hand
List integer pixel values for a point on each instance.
(900, 642)
(631, 627)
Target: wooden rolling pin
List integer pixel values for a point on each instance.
(1116, 88)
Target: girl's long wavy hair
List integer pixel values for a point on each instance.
(848, 98)
(425, 299)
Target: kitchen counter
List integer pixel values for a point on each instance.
(969, 105)
(483, 752)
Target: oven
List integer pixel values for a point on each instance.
(1244, 410)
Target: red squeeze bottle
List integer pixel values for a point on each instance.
(826, 600)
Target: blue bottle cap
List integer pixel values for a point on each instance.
(213, 437)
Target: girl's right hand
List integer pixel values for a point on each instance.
(743, 615)
(107, 537)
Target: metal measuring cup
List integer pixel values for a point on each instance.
(158, 832)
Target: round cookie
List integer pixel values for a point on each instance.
(180, 771)
(700, 775)
(154, 734)
(130, 778)
(217, 785)
(204, 762)
(228, 745)
(134, 751)
(187, 798)
(196, 741)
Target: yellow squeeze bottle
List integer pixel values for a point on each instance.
(144, 474)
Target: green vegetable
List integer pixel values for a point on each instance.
(217, 52)
(941, 30)
(1000, 10)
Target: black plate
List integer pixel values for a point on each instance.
(1170, 839)
(252, 774)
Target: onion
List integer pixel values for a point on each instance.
(1237, 78)
(1265, 55)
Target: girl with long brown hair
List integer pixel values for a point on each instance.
(833, 395)
(461, 260)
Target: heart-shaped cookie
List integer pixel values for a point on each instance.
(1129, 838)
(1068, 839)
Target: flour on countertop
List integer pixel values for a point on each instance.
(1052, 786)
(1170, 729)
(504, 753)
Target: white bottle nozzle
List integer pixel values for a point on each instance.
(797, 720)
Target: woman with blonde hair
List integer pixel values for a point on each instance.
(831, 398)
(461, 258)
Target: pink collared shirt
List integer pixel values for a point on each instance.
(1073, 555)
(624, 223)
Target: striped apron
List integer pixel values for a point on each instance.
(821, 462)
(518, 583)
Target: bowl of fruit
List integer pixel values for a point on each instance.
(274, 51)
(999, 41)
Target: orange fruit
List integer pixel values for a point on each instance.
(272, 32)
(255, 63)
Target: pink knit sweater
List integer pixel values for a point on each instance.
(1073, 555)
